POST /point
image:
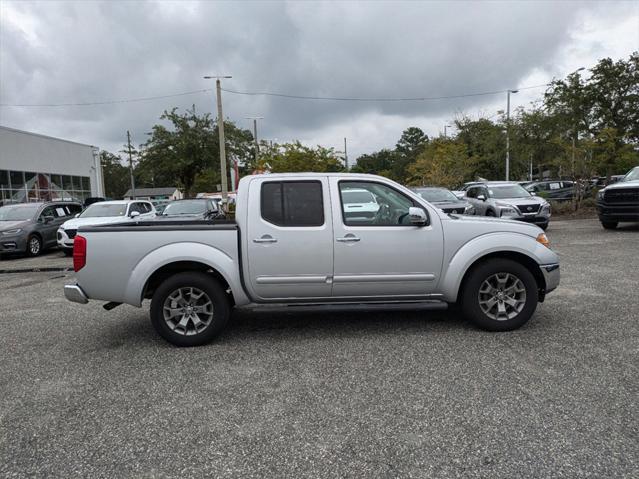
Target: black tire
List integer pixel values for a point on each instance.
(470, 295)
(67, 251)
(609, 225)
(544, 226)
(199, 281)
(34, 245)
(491, 213)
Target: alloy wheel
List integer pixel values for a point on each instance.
(502, 296)
(188, 311)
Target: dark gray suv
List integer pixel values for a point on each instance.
(31, 227)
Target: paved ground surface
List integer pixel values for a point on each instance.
(49, 260)
(85, 392)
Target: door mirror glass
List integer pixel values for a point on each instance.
(417, 216)
(134, 214)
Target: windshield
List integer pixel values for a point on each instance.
(633, 175)
(188, 207)
(507, 191)
(18, 213)
(436, 194)
(100, 210)
(351, 196)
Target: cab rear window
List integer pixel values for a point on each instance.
(292, 203)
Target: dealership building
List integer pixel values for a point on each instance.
(36, 167)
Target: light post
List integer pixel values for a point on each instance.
(508, 133)
(220, 128)
(575, 133)
(446, 126)
(257, 146)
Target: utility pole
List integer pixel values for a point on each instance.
(345, 155)
(257, 145)
(128, 142)
(220, 129)
(508, 133)
(445, 133)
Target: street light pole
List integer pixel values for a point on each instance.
(508, 133)
(445, 134)
(257, 146)
(220, 128)
(345, 156)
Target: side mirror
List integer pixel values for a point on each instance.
(481, 197)
(532, 193)
(134, 214)
(48, 219)
(77, 215)
(417, 216)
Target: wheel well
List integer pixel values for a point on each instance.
(520, 258)
(168, 270)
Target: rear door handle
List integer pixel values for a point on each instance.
(348, 239)
(265, 239)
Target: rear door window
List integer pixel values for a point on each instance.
(292, 203)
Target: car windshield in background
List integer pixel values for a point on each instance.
(357, 197)
(17, 213)
(633, 175)
(436, 194)
(100, 210)
(508, 191)
(188, 207)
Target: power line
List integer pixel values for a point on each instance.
(302, 97)
(108, 102)
(266, 93)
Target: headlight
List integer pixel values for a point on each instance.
(12, 232)
(469, 210)
(600, 194)
(546, 208)
(508, 211)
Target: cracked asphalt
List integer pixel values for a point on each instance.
(90, 393)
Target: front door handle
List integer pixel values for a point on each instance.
(265, 239)
(348, 239)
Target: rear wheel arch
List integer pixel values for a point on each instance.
(166, 271)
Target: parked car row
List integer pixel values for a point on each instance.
(32, 227)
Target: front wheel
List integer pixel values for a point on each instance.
(34, 245)
(189, 309)
(499, 295)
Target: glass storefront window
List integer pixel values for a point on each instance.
(4, 179)
(56, 181)
(17, 179)
(66, 183)
(86, 183)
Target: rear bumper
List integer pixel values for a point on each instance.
(74, 293)
(551, 276)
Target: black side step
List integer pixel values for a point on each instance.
(111, 305)
(399, 306)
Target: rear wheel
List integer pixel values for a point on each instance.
(490, 213)
(34, 245)
(609, 225)
(189, 309)
(499, 295)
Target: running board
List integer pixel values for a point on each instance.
(338, 307)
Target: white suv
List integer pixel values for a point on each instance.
(104, 212)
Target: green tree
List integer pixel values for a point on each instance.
(412, 142)
(378, 163)
(295, 157)
(443, 162)
(485, 144)
(116, 175)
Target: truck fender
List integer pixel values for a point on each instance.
(225, 265)
(484, 245)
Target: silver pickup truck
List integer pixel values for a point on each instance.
(298, 241)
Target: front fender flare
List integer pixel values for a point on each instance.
(485, 245)
(184, 251)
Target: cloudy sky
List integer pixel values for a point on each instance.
(57, 52)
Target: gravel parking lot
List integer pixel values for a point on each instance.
(86, 392)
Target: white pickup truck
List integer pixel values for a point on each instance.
(295, 242)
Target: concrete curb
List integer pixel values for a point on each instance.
(51, 269)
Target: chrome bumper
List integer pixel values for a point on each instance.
(551, 276)
(74, 293)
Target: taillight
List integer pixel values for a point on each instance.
(79, 253)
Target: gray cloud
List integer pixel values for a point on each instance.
(56, 52)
